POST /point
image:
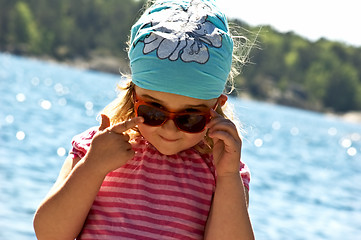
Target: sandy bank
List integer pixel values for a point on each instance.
(108, 64)
(354, 117)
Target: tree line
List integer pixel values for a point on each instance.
(66, 28)
(283, 67)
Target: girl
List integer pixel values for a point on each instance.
(165, 162)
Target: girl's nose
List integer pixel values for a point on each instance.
(169, 125)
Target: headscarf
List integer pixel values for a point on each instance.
(182, 47)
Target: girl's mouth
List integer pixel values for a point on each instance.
(168, 139)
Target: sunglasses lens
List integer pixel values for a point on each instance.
(151, 115)
(192, 123)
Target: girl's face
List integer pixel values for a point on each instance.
(167, 138)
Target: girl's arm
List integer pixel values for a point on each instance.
(63, 212)
(228, 218)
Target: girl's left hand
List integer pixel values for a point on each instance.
(227, 145)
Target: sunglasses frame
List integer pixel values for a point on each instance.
(173, 115)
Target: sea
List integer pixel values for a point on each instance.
(305, 166)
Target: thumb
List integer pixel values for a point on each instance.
(105, 122)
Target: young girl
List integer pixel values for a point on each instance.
(165, 161)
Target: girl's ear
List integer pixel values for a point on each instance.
(222, 99)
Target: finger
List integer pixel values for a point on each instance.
(226, 126)
(214, 116)
(231, 144)
(126, 125)
(105, 122)
(223, 124)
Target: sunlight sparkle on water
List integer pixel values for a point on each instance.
(294, 131)
(20, 135)
(20, 97)
(35, 81)
(9, 119)
(332, 131)
(346, 143)
(61, 152)
(88, 105)
(352, 151)
(60, 89)
(62, 101)
(258, 142)
(268, 137)
(355, 137)
(276, 125)
(45, 104)
(48, 82)
(89, 108)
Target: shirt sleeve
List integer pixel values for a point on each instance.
(81, 142)
(245, 174)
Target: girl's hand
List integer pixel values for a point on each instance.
(227, 145)
(110, 147)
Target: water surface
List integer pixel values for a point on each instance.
(306, 181)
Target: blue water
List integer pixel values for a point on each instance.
(306, 167)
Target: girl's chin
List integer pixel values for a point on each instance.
(166, 149)
(169, 146)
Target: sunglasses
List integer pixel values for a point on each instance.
(190, 122)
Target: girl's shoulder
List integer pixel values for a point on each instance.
(81, 142)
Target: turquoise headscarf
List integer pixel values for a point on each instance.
(182, 47)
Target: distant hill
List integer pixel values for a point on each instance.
(283, 67)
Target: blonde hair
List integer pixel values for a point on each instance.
(122, 108)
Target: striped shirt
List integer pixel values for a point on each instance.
(153, 196)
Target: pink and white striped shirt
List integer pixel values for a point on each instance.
(153, 196)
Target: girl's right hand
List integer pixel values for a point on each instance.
(110, 147)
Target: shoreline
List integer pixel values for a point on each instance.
(107, 64)
(116, 65)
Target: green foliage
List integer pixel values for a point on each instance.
(316, 75)
(66, 28)
(284, 68)
(23, 30)
(342, 88)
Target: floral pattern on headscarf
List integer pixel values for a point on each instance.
(182, 33)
